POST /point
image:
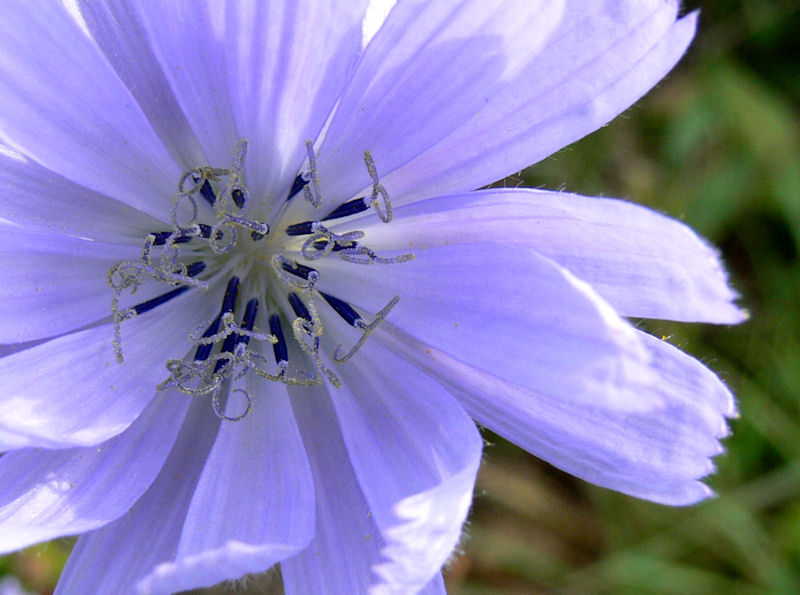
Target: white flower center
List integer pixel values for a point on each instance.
(221, 241)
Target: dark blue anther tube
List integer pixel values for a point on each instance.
(231, 293)
(163, 236)
(157, 301)
(351, 207)
(208, 192)
(297, 269)
(238, 197)
(205, 349)
(299, 307)
(279, 349)
(193, 269)
(228, 303)
(342, 308)
(303, 228)
(249, 319)
(297, 186)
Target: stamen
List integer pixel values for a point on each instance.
(299, 307)
(209, 336)
(324, 241)
(234, 340)
(299, 182)
(279, 348)
(219, 409)
(223, 351)
(181, 236)
(351, 207)
(207, 341)
(343, 309)
(249, 319)
(247, 330)
(358, 254)
(307, 330)
(300, 270)
(320, 245)
(239, 197)
(205, 231)
(227, 347)
(311, 190)
(197, 177)
(235, 196)
(208, 192)
(237, 342)
(384, 213)
(367, 331)
(119, 278)
(282, 265)
(198, 378)
(201, 177)
(239, 155)
(231, 293)
(195, 268)
(181, 375)
(219, 232)
(173, 211)
(192, 270)
(261, 229)
(160, 238)
(254, 361)
(300, 229)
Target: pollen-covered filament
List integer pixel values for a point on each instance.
(214, 237)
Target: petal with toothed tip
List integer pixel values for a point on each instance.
(658, 455)
(645, 264)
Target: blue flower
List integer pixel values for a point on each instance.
(254, 306)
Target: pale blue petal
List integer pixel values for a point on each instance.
(48, 494)
(415, 453)
(43, 201)
(97, 398)
(119, 32)
(603, 58)
(347, 554)
(287, 63)
(53, 284)
(430, 68)
(267, 72)
(188, 41)
(347, 542)
(115, 558)
(645, 264)
(254, 502)
(558, 336)
(65, 107)
(658, 455)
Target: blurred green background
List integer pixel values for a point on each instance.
(716, 145)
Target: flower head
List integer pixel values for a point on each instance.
(256, 304)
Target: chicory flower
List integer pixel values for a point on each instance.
(254, 305)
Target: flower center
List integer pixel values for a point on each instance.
(214, 237)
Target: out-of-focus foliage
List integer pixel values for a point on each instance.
(717, 145)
